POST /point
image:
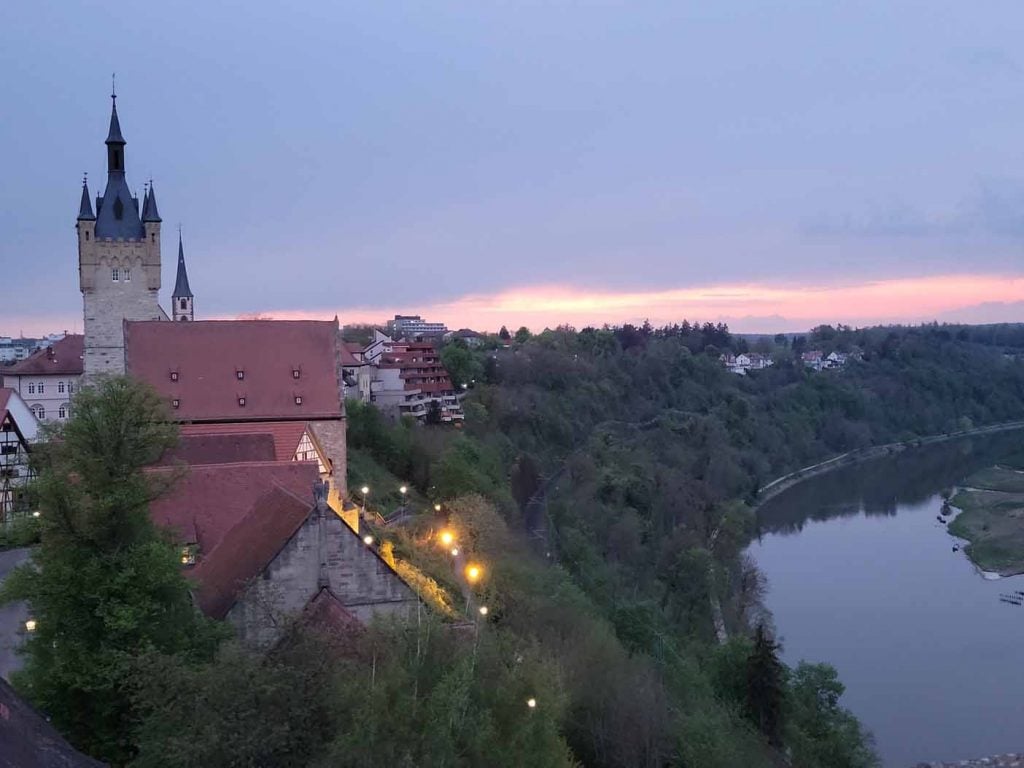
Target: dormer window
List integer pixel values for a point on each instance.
(241, 402)
(175, 403)
(298, 399)
(240, 374)
(174, 375)
(296, 373)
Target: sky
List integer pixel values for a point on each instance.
(773, 165)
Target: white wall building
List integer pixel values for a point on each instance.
(49, 378)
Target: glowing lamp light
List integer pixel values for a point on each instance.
(437, 507)
(455, 551)
(403, 490)
(447, 537)
(367, 540)
(30, 625)
(37, 513)
(473, 573)
(364, 490)
(483, 610)
(531, 703)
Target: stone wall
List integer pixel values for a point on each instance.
(354, 572)
(106, 303)
(332, 437)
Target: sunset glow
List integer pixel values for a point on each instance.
(747, 307)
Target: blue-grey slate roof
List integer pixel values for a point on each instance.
(85, 208)
(149, 211)
(114, 134)
(118, 214)
(181, 289)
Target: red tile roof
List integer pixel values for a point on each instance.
(326, 612)
(204, 504)
(347, 358)
(62, 358)
(221, 449)
(284, 434)
(5, 395)
(208, 355)
(248, 548)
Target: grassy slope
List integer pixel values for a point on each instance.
(993, 520)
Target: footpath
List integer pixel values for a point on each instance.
(1014, 760)
(780, 484)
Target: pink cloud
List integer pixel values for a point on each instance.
(749, 307)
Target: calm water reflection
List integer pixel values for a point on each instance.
(862, 575)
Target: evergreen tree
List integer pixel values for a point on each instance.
(104, 586)
(503, 334)
(766, 686)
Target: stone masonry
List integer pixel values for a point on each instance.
(324, 552)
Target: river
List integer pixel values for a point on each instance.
(862, 575)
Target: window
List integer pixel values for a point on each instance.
(31, 389)
(296, 373)
(87, 236)
(241, 402)
(184, 303)
(40, 387)
(62, 412)
(38, 411)
(8, 448)
(71, 387)
(298, 399)
(174, 375)
(188, 554)
(127, 275)
(115, 274)
(60, 387)
(240, 374)
(175, 403)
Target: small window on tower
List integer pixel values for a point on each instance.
(241, 402)
(115, 274)
(184, 303)
(175, 403)
(174, 375)
(240, 374)
(127, 275)
(296, 373)
(87, 236)
(298, 399)
(152, 237)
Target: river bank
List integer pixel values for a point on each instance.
(780, 484)
(991, 520)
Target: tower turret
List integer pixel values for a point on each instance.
(181, 299)
(118, 259)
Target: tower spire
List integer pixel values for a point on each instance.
(181, 299)
(85, 207)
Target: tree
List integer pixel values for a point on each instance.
(503, 334)
(462, 364)
(523, 335)
(105, 585)
(433, 412)
(766, 686)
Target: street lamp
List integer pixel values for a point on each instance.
(365, 491)
(403, 491)
(447, 537)
(531, 703)
(455, 551)
(367, 540)
(437, 507)
(30, 625)
(473, 573)
(483, 610)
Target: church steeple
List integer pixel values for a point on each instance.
(181, 299)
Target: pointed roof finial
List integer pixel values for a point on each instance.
(113, 86)
(181, 288)
(149, 209)
(114, 134)
(85, 207)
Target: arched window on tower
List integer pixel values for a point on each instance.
(184, 303)
(115, 274)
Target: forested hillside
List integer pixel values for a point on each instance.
(628, 457)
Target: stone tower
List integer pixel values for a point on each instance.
(118, 260)
(181, 299)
